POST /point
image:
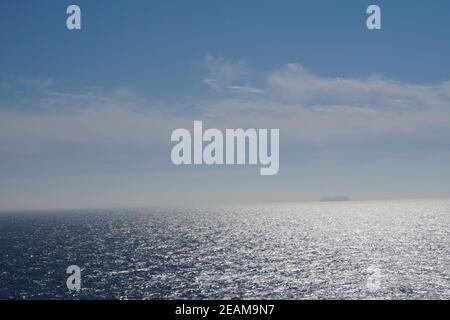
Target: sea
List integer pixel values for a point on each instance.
(316, 250)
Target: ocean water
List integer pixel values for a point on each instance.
(338, 250)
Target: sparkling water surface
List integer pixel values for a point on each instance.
(338, 250)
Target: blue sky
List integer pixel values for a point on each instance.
(86, 116)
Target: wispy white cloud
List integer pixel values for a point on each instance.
(308, 108)
(314, 109)
(227, 75)
(245, 89)
(292, 83)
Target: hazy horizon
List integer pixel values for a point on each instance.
(212, 205)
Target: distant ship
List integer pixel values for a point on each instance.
(334, 198)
